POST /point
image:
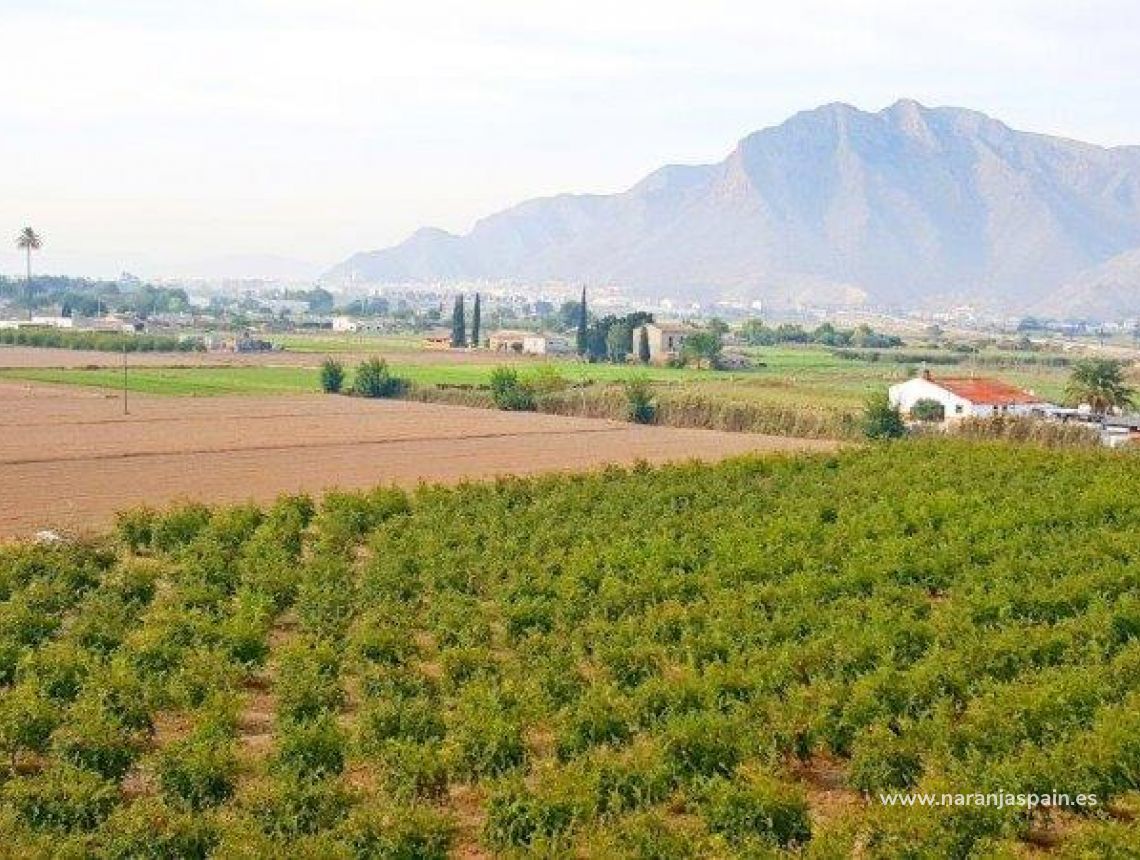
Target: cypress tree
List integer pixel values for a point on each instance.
(476, 318)
(458, 324)
(583, 341)
(643, 346)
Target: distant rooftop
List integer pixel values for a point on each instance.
(511, 333)
(989, 392)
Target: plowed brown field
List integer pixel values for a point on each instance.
(69, 458)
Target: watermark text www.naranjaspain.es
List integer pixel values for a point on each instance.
(991, 799)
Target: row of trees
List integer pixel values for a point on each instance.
(756, 333)
(101, 341)
(83, 296)
(611, 337)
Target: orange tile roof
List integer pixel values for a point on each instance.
(987, 392)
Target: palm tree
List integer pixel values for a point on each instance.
(1099, 382)
(29, 240)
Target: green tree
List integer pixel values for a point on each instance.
(583, 325)
(619, 339)
(332, 376)
(545, 379)
(702, 347)
(567, 317)
(29, 240)
(928, 410)
(320, 300)
(643, 354)
(829, 335)
(881, 420)
(509, 392)
(374, 379)
(458, 324)
(476, 321)
(1099, 382)
(640, 407)
(597, 338)
(756, 333)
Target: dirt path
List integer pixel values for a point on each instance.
(69, 459)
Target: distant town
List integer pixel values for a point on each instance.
(246, 308)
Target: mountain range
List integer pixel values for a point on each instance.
(909, 206)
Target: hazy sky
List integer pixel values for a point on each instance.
(148, 135)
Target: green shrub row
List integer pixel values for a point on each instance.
(100, 341)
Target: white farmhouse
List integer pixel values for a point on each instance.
(666, 339)
(965, 397)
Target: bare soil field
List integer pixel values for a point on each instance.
(69, 458)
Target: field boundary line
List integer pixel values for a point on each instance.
(182, 418)
(297, 446)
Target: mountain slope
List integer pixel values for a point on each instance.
(909, 205)
(1104, 292)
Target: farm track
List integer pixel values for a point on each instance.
(69, 459)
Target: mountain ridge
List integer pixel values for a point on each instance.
(910, 205)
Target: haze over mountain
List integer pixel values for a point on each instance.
(908, 206)
(245, 266)
(1105, 292)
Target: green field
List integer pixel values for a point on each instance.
(206, 381)
(286, 379)
(785, 376)
(331, 344)
(180, 381)
(695, 661)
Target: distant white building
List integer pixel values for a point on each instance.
(347, 324)
(546, 344)
(506, 340)
(54, 321)
(113, 323)
(528, 343)
(965, 397)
